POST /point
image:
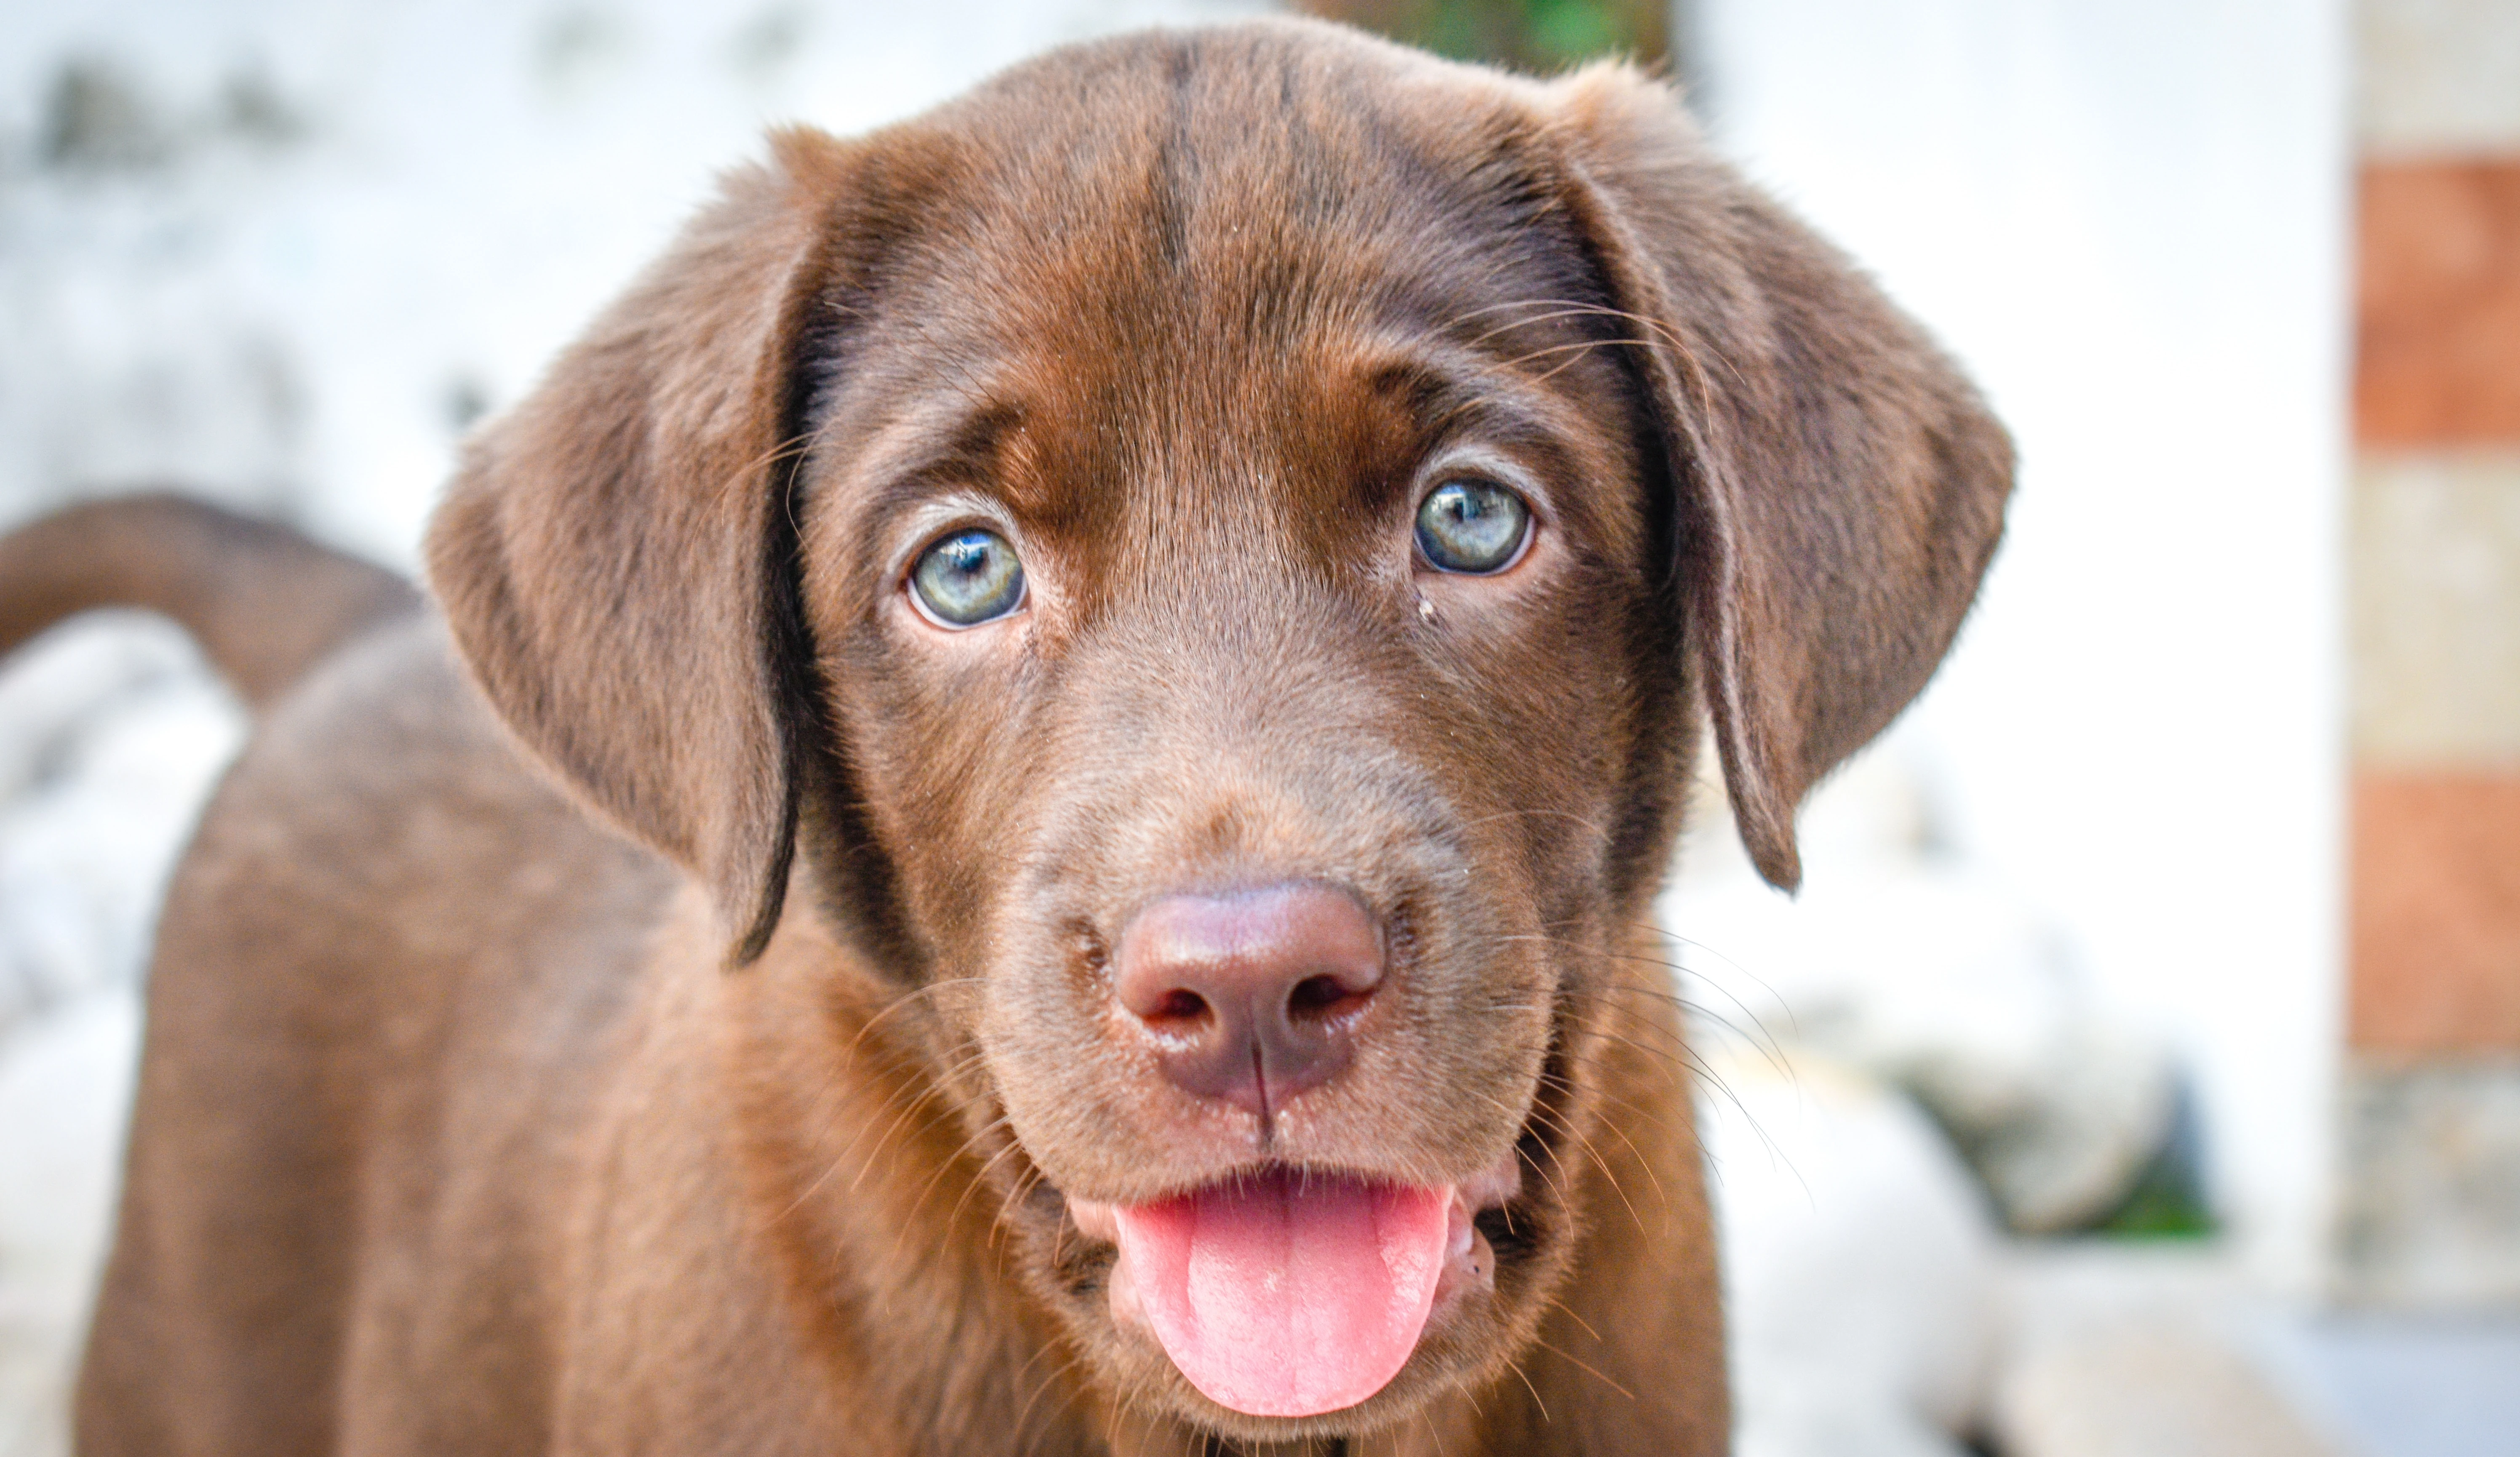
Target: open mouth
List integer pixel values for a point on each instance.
(1292, 1293)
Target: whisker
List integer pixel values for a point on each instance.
(1679, 1037)
(979, 1178)
(905, 999)
(1574, 306)
(934, 1089)
(1570, 1131)
(1050, 1379)
(1643, 1163)
(1516, 1369)
(1762, 1038)
(910, 1221)
(1605, 1094)
(1585, 1366)
(1569, 1311)
(1000, 1224)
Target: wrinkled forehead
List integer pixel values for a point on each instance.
(1168, 264)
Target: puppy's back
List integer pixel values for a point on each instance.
(385, 911)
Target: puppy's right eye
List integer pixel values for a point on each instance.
(969, 578)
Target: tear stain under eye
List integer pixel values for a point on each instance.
(1425, 609)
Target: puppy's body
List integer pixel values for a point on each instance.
(858, 1105)
(473, 1146)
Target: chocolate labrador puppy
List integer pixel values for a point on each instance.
(1032, 820)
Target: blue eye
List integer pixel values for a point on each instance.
(1473, 526)
(969, 578)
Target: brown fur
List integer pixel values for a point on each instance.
(265, 603)
(468, 1125)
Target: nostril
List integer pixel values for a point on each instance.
(1179, 1008)
(1322, 996)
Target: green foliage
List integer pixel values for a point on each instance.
(2167, 1203)
(1539, 35)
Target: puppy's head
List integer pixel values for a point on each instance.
(1214, 547)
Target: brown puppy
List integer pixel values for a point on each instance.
(1143, 634)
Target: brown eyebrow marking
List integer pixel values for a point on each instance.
(939, 449)
(1452, 392)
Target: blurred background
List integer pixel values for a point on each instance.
(2139, 1071)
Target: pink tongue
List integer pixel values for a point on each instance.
(1289, 1296)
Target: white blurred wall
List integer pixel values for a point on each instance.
(307, 240)
(2127, 219)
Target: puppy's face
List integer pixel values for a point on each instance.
(1211, 550)
(1245, 603)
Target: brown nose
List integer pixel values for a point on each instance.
(1253, 996)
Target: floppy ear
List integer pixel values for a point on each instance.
(616, 557)
(1843, 485)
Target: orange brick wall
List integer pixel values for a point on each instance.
(2436, 937)
(2437, 356)
(2435, 856)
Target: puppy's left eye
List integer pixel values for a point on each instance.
(1475, 526)
(968, 578)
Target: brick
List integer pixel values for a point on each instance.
(2435, 913)
(2435, 551)
(2434, 76)
(2437, 358)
